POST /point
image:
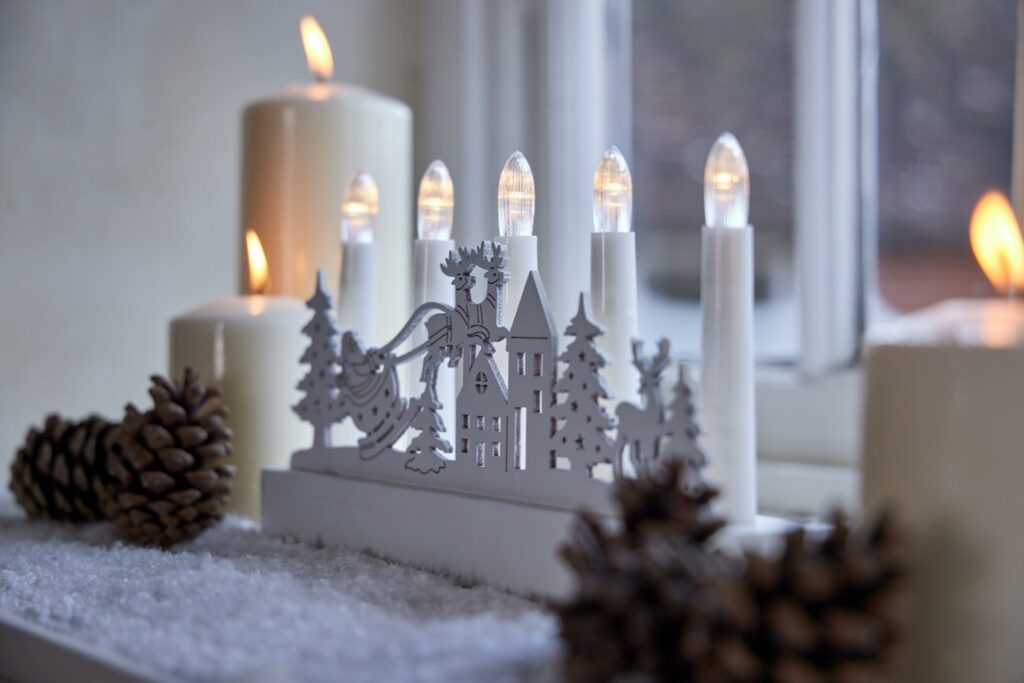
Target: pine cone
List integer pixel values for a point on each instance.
(639, 600)
(822, 611)
(168, 485)
(60, 471)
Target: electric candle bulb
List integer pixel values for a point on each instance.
(726, 185)
(516, 198)
(360, 209)
(435, 206)
(613, 193)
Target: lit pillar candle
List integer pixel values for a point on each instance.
(516, 201)
(249, 347)
(435, 209)
(613, 271)
(727, 321)
(357, 293)
(300, 147)
(942, 453)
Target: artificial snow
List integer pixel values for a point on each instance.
(236, 604)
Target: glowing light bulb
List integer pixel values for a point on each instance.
(435, 206)
(360, 208)
(726, 185)
(516, 198)
(613, 193)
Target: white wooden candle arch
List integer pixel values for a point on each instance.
(533, 441)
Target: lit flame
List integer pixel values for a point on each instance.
(318, 50)
(997, 243)
(259, 272)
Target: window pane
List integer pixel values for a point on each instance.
(945, 136)
(701, 67)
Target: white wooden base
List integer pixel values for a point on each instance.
(505, 543)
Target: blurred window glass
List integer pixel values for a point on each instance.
(945, 128)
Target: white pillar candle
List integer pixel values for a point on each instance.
(942, 452)
(249, 346)
(727, 321)
(613, 289)
(435, 209)
(358, 300)
(299, 150)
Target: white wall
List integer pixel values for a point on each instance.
(119, 131)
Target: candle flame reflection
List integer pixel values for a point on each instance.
(318, 50)
(997, 243)
(259, 271)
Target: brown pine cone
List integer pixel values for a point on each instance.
(638, 608)
(60, 471)
(823, 611)
(169, 482)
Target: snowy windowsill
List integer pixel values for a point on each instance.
(236, 604)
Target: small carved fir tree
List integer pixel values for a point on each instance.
(582, 421)
(321, 406)
(427, 446)
(684, 429)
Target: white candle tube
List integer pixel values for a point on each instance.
(516, 200)
(727, 334)
(613, 288)
(522, 258)
(249, 347)
(357, 294)
(299, 149)
(613, 295)
(727, 366)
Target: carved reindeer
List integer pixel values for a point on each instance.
(641, 429)
(486, 317)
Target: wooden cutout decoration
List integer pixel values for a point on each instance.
(529, 441)
(684, 430)
(641, 428)
(321, 406)
(532, 375)
(581, 437)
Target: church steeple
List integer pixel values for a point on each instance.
(532, 364)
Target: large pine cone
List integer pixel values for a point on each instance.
(823, 611)
(640, 588)
(168, 483)
(61, 470)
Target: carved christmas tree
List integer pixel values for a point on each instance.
(684, 430)
(321, 406)
(427, 446)
(582, 432)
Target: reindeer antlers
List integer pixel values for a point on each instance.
(489, 255)
(650, 367)
(460, 265)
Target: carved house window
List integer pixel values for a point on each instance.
(496, 424)
(480, 423)
(538, 403)
(480, 382)
(521, 364)
(480, 454)
(495, 449)
(538, 364)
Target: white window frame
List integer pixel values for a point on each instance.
(537, 76)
